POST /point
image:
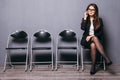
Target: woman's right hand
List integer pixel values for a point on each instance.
(85, 15)
(88, 37)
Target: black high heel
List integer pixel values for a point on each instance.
(109, 63)
(93, 70)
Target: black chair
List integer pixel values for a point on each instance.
(41, 44)
(17, 49)
(67, 40)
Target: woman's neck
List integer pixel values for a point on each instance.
(91, 17)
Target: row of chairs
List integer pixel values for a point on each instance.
(42, 42)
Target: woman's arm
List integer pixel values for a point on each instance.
(83, 24)
(84, 20)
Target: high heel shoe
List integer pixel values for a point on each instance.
(92, 71)
(109, 63)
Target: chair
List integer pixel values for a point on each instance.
(17, 49)
(41, 43)
(67, 40)
(86, 50)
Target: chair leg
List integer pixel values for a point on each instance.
(56, 62)
(7, 60)
(5, 63)
(31, 59)
(77, 60)
(103, 62)
(52, 55)
(104, 65)
(26, 66)
(82, 64)
(52, 60)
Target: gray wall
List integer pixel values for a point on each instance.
(55, 16)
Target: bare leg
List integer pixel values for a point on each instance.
(100, 49)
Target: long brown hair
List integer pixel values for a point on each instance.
(96, 17)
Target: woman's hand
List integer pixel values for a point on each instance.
(85, 15)
(88, 37)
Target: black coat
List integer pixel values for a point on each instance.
(85, 25)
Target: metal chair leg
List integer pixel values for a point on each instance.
(82, 64)
(26, 63)
(52, 61)
(5, 63)
(104, 65)
(31, 59)
(56, 61)
(77, 59)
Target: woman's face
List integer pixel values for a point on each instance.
(91, 11)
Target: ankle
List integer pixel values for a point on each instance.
(92, 67)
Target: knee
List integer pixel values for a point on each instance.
(95, 38)
(93, 46)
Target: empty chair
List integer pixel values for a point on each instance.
(41, 49)
(17, 49)
(67, 46)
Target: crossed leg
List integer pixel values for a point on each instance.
(96, 45)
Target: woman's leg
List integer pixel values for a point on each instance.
(93, 57)
(93, 53)
(100, 48)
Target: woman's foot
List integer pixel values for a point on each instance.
(109, 63)
(93, 70)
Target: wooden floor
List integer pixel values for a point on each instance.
(63, 73)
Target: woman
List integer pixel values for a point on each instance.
(93, 33)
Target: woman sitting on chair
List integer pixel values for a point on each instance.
(93, 33)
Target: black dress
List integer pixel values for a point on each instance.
(85, 25)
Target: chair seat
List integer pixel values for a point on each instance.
(65, 47)
(16, 48)
(41, 48)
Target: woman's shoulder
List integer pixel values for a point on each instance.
(100, 18)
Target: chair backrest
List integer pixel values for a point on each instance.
(17, 39)
(41, 38)
(68, 37)
(68, 34)
(42, 35)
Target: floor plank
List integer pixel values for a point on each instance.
(63, 73)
